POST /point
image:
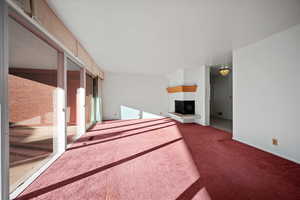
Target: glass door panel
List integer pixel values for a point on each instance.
(89, 101)
(32, 83)
(73, 86)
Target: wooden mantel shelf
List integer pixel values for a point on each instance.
(182, 88)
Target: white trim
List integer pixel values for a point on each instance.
(266, 150)
(98, 101)
(81, 103)
(205, 96)
(90, 125)
(74, 140)
(79, 112)
(61, 138)
(28, 181)
(4, 140)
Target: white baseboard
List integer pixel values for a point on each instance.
(266, 150)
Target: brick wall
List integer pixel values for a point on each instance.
(31, 93)
(73, 83)
(31, 96)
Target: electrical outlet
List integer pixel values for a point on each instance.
(274, 141)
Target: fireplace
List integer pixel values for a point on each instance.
(185, 107)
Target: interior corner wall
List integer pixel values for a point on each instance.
(146, 93)
(266, 94)
(191, 76)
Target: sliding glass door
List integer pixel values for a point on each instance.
(89, 101)
(92, 101)
(4, 188)
(50, 101)
(32, 83)
(73, 100)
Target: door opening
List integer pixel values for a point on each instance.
(220, 99)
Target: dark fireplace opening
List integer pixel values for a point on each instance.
(185, 107)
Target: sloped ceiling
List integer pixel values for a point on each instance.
(157, 37)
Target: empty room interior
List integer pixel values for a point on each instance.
(150, 100)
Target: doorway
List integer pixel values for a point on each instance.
(220, 99)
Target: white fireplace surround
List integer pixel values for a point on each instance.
(183, 96)
(190, 76)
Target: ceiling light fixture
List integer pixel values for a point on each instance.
(224, 70)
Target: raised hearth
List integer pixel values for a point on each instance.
(187, 118)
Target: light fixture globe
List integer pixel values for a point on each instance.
(224, 70)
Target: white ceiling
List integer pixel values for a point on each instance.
(157, 37)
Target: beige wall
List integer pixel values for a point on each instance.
(47, 18)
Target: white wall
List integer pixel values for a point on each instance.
(221, 96)
(135, 93)
(188, 76)
(266, 94)
(175, 78)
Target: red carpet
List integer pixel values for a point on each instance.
(160, 159)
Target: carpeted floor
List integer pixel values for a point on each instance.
(160, 159)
